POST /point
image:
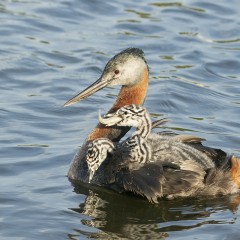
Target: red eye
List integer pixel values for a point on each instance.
(116, 71)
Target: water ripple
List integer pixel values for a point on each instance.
(50, 50)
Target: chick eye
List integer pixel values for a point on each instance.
(116, 71)
(90, 152)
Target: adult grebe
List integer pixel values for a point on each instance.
(129, 69)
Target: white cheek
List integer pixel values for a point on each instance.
(130, 72)
(134, 70)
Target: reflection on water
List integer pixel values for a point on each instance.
(128, 217)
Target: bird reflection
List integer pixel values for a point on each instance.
(128, 217)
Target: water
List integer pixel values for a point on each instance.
(52, 49)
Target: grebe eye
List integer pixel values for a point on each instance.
(116, 71)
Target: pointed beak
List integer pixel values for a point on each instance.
(99, 84)
(109, 119)
(91, 173)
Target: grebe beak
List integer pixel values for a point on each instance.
(109, 119)
(98, 85)
(91, 173)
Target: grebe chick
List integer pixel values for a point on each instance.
(97, 152)
(130, 115)
(137, 149)
(133, 116)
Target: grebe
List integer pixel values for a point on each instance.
(138, 117)
(129, 69)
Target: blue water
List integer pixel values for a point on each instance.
(50, 50)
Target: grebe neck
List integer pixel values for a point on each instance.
(128, 95)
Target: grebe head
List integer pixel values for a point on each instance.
(125, 68)
(132, 116)
(97, 152)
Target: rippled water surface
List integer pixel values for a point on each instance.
(49, 50)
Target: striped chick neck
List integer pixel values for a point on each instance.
(139, 149)
(97, 152)
(136, 116)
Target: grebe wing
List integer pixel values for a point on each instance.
(188, 138)
(184, 138)
(219, 157)
(179, 182)
(155, 180)
(146, 181)
(159, 122)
